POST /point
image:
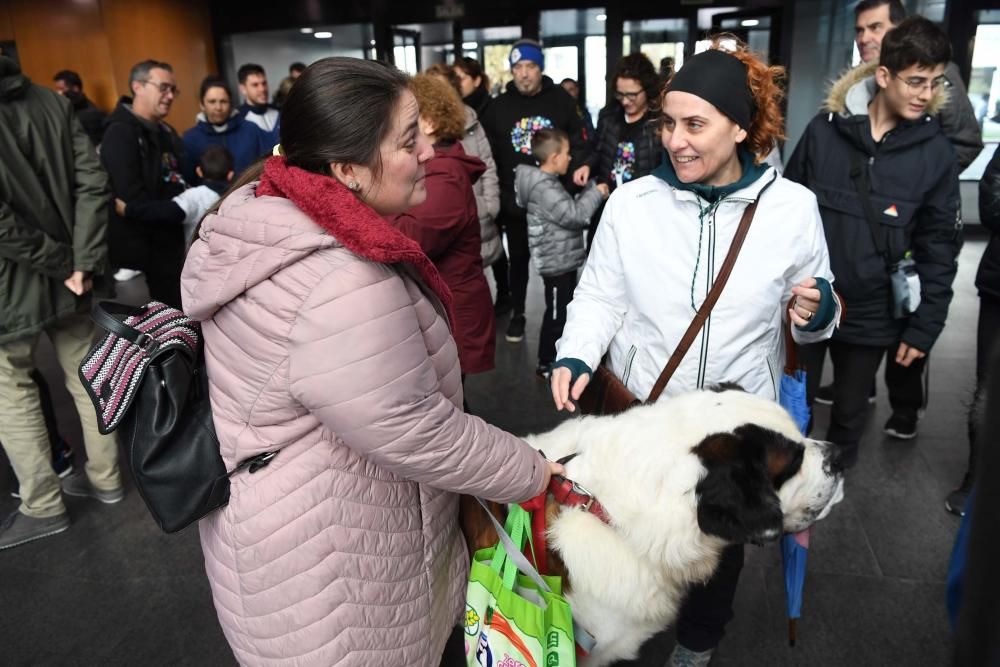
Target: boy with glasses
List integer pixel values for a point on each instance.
(886, 180)
(143, 156)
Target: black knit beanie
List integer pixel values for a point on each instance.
(720, 79)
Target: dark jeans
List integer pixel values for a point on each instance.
(905, 384)
(516, 229)
(854, 369)
(501, 274)
(558, 294)
(709, 606)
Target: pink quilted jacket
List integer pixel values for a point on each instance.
(346, 549)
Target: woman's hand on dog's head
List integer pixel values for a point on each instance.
(561, 392)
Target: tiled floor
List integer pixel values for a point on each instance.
(113, 590)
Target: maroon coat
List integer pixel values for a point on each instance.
(446, 226)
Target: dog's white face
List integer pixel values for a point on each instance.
(680, 480)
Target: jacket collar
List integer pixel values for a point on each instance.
(851, 93)
(713, 193)
(349, 220)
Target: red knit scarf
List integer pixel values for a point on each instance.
(353, 223)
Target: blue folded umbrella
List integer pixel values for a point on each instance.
(794, 554)
(793, 397)
(795, 548)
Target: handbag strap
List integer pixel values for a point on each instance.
(713, 296)
(791, 355)
(859, 176)
(103, 313)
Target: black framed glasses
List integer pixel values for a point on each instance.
(919, 85)
(164, 88)
(631, 97)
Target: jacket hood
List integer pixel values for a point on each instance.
(247, 242)
(526, 179)
(851, 93)
(451, 157)
(232, 124)
(13, 84)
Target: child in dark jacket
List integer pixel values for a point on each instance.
(215, 171)
(556, 222)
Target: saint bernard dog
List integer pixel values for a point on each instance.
(679, 480)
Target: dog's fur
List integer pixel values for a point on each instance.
(681, 480)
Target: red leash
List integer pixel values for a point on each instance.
(565, 492)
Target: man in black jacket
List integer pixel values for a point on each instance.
(143, 156)
(532, 102)
(69, 84)
(886, 181)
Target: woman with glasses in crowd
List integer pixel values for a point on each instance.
(627, 143)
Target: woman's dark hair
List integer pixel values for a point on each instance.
(915, 41)
(639, 67)
(473, 69)
(210, 82)
(339, 110)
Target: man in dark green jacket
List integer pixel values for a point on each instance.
(54, 200)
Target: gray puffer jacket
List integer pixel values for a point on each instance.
(555, 219)
(486, 188)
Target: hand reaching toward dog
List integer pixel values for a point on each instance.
(551, 468)
(561, 391)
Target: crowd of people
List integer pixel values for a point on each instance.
(340, 284)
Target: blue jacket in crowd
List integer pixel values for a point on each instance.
(244, 140)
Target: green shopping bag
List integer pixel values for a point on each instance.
(515, 617)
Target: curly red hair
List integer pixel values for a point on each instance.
(766, 83)
(441, 105)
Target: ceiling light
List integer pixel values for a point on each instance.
(323, 35)
(749, 23)
(470, 46)
(372, 42)
(306, 31)
(601, 17)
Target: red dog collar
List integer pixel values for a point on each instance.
(568, 492)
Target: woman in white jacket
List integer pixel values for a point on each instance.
(660, 245)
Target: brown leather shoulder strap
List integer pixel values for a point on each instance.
(713, 295)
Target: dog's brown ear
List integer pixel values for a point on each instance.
(736, 500)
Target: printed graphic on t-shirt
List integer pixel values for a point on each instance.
(524, 130)
(171, 169)
(623, 170)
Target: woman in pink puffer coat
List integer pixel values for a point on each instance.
(327, 341)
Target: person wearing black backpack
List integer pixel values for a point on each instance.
(53, 224)
(886, 180)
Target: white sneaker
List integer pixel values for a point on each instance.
(124, 275)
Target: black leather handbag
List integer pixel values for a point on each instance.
(148, 383)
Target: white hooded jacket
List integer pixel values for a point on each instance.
(652, 264)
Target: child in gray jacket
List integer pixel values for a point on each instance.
(556, 222)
